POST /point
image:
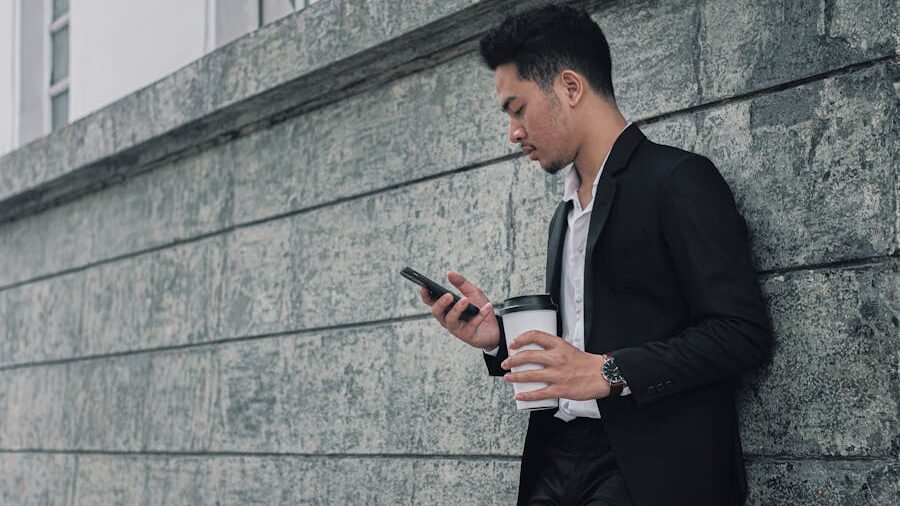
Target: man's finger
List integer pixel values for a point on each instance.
(549, 392)
(423, 293)
(465, 286)
(439, 308)
(476, 320)
(456, 311)
(526, 357)
(543, 339)
(537, 375)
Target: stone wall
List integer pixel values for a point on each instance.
(199, 290)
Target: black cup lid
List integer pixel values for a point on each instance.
(527, 303)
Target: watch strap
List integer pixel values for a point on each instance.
(615, 387)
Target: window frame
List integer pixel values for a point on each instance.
(53, 90)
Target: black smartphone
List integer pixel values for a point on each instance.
(435, 291)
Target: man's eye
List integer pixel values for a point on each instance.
(519, 111)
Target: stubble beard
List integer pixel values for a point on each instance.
(554, 167)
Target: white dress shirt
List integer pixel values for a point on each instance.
(572, 293)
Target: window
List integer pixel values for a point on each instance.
(270, 10)
(59, 64)
(234, 18)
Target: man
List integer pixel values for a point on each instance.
(648, 257)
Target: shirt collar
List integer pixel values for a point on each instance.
(573, 181)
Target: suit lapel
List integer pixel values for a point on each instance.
(558, 227)
(606, 192)
(616, 162)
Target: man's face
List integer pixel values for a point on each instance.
(536, 120)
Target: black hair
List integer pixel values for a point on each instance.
(543, 42)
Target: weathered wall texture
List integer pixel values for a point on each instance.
(199, 290)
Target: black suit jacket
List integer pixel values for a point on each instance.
(671, 293)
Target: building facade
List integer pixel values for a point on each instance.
(200, 299)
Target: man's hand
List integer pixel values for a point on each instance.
(482, 330)
(568, 371)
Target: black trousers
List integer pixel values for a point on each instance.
(579, 468)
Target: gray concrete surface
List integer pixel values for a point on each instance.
(199, 299)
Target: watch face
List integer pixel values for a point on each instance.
(611, 372)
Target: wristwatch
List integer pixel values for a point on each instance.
(610, 372)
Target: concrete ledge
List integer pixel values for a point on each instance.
(317, 56)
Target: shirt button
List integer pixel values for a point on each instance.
(581, 250)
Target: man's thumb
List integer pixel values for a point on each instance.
(456, 278)
(466, 287)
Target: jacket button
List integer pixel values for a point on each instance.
(651, 390)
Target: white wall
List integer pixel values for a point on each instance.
(117, 47)
(8, 49)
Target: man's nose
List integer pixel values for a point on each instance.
(516, 132)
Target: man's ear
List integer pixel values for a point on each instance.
(573, 86)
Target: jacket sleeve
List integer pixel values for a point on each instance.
(492, 362)
(707, 243)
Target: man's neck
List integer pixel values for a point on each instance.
(595, 146)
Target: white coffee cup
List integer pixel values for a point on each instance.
(519, 315)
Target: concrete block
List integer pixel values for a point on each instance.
(399, 481)
(35, 409)
(42, 320)
(293, 480)
(745, 45)
(179, 402)
(823, 482)
(681, 131)
(182, 199)
(257, 282)
(672, 55)
(108, 401)
(44, 480)
(811, 167)
(652, 45)
(104, 479)
(399, 388)
(170, 296)
(831, 387)
(160, 299)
